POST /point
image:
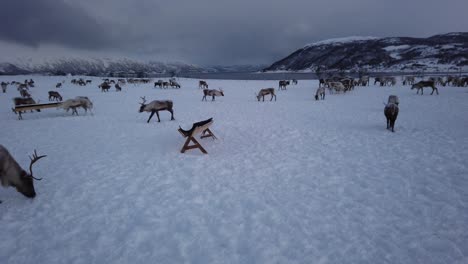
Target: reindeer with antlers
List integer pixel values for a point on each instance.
(156, 106)
(213, 93)
(11, 174)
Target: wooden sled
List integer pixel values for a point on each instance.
(203, 128)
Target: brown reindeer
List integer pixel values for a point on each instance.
(264, 92)
(283, 84)
(11, 174)
(420, 85)
(105, 86)
(23, 101)
(391, 113)
(156, 106)
(202, 85)
(118, 88)
(53, 95)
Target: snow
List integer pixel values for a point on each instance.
(342, 40)
(396, 48)
(291, 181)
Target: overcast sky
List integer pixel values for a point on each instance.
(214, 32)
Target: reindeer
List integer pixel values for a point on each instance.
(393, 99)
(23, 101)
(24, 93)
(294, 81)
(118, 88)
(174, 84)
(337, 86)
(408, 80)
(22, 86)
(213, 93)
(79, 101)
(165, 85)
(380, 80)
(348, 83)
(391, 113)
(282, 84)
(264, 92)
(158, 83)
(363, 81)
(11, 174)
(105, 86)
(88, 81)
(320, 93)
(323, 82)
(202, 85)
(58, 85)
(53, 95)
(420, 85)
(156, 106)
(4, 86)
(29, 83)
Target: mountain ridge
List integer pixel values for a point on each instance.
(443, 52)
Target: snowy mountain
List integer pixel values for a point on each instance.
(436, 53)
(109, 67)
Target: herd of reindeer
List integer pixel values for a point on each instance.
(11, 173)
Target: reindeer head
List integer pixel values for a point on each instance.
(221, 92)
(25, 185)
(143, 105)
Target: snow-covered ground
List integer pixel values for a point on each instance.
(291, 181)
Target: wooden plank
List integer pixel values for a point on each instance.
(204, 131)
(36, 106)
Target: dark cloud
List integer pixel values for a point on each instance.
(220, 31)
(35, 22)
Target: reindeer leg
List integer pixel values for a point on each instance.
(204, 98)
(152, 113)
(157, 114)
(172, 114)
(212, 99)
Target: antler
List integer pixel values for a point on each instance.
(34, 158)
(144, 100)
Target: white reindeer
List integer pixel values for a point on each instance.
(320, 93)
(212, 93)
(264, 92)
(79, 101)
